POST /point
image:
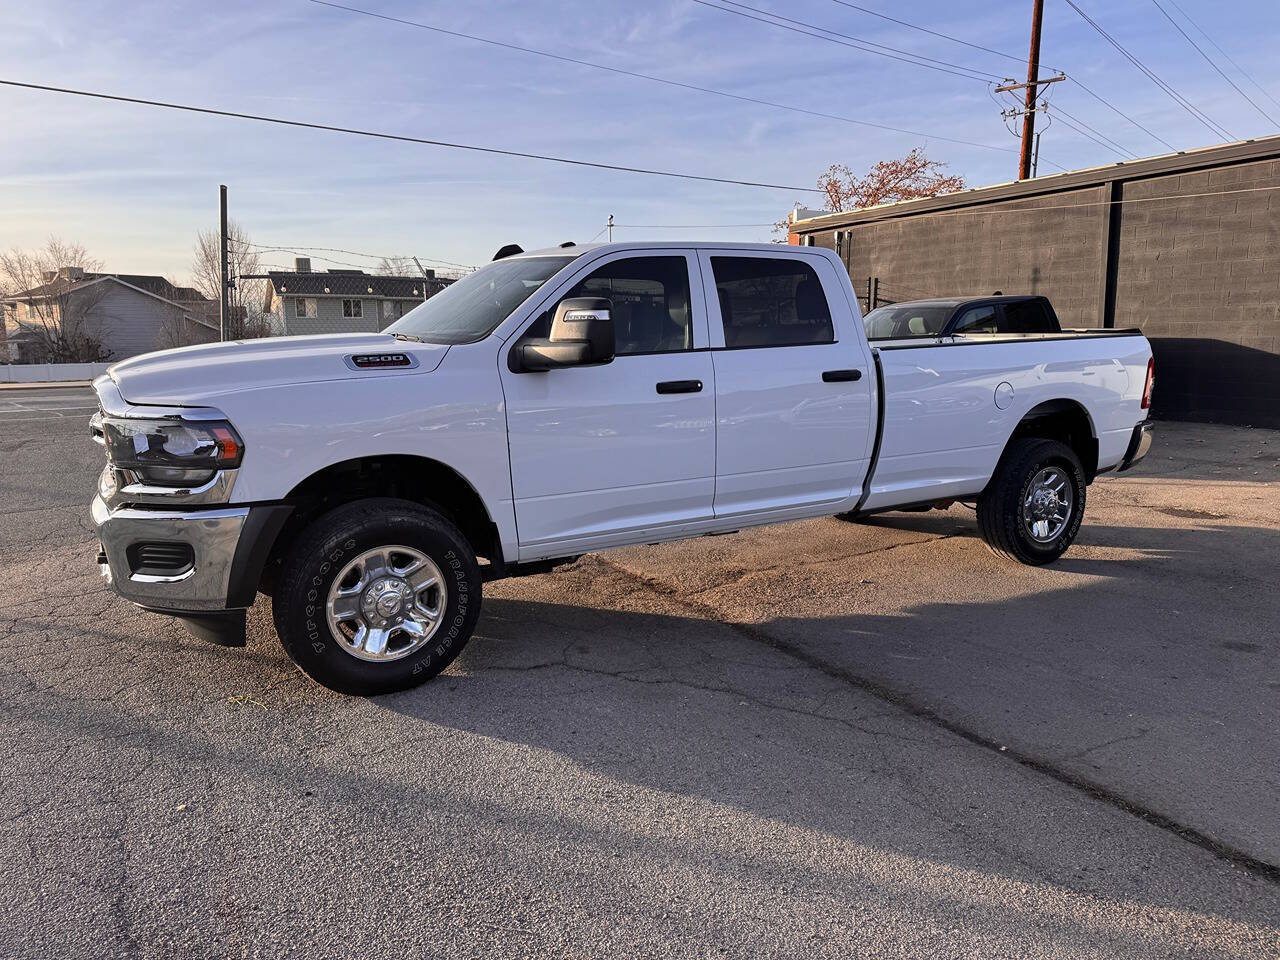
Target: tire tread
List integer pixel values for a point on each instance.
(296, 570)
(998, 520)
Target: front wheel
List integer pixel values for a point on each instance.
(377, 596)
(1032, 508)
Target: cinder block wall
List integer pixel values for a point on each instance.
(1201, 276)
(1047, 245)
(1197, 270)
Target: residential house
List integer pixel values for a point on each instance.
(123, 314)
(342, 301)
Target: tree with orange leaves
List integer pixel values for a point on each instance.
(888, 181)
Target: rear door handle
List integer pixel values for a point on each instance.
(840, 376)
(680, 386)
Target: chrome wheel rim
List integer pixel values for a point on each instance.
(1046, 508)
(386, 603)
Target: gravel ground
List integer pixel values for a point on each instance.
(820, 739)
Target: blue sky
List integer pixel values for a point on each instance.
(135, 184)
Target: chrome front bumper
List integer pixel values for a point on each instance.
(213, 536)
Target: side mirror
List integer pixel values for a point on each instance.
(581, 334)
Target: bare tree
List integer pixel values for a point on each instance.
(250, 301)
(56, 307)
(399, 266)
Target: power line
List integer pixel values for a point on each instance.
(689, 226)
(935, 33)
(1114, 109)
(1216, 129)
(1209, 61)
(294, 248)
(843, 39)
(1081, 129)
(1097, 135)
(407, 139)
(1018, 59)
(1242, 70)
(1009, 56)
(650, 77)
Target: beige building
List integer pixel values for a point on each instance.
(74, 315)
(343, 301)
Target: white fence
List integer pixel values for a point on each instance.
(44, 372)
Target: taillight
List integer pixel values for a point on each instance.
(1151, 380)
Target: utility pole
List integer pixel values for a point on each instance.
(610, 226)
(224, 280)
(1033, 71)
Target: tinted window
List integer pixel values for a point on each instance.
(650, 304)
(1028, 316)
(469, 309)
(977, 320)
(906, 320)
(767, 302)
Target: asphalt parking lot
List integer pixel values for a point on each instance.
(821, 739)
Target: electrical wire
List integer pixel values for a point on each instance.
(690, 226)
(1061, 116)
(1116, 110)
(653, 78)
(1186, 36)
(1224, 53)
(292, 248)
(354, 131)
(935, 33)
(833, 36)
(1096, 135)
(1017, 59)
(1216, 129)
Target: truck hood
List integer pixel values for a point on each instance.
(192, 375)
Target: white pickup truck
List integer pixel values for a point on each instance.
(570, 400)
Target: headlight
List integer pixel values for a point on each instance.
(172, 453)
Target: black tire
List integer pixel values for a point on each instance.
(1000, 517)
(319, 556)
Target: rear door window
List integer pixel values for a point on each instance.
(771, 302)
(981, 319)
(1027, 316)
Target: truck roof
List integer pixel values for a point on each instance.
(957, 301)
(581, 248)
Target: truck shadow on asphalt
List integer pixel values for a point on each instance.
(636, 720)
(1131, 676)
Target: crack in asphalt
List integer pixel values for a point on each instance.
(1262, 869)
(742, 573)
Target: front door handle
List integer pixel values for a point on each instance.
(840, 376)
(680, 386)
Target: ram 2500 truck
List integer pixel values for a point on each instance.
(565, 401)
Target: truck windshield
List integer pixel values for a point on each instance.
(906, 320)
(469, 309)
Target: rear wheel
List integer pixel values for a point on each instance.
(377, 596)
(1032, 508)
